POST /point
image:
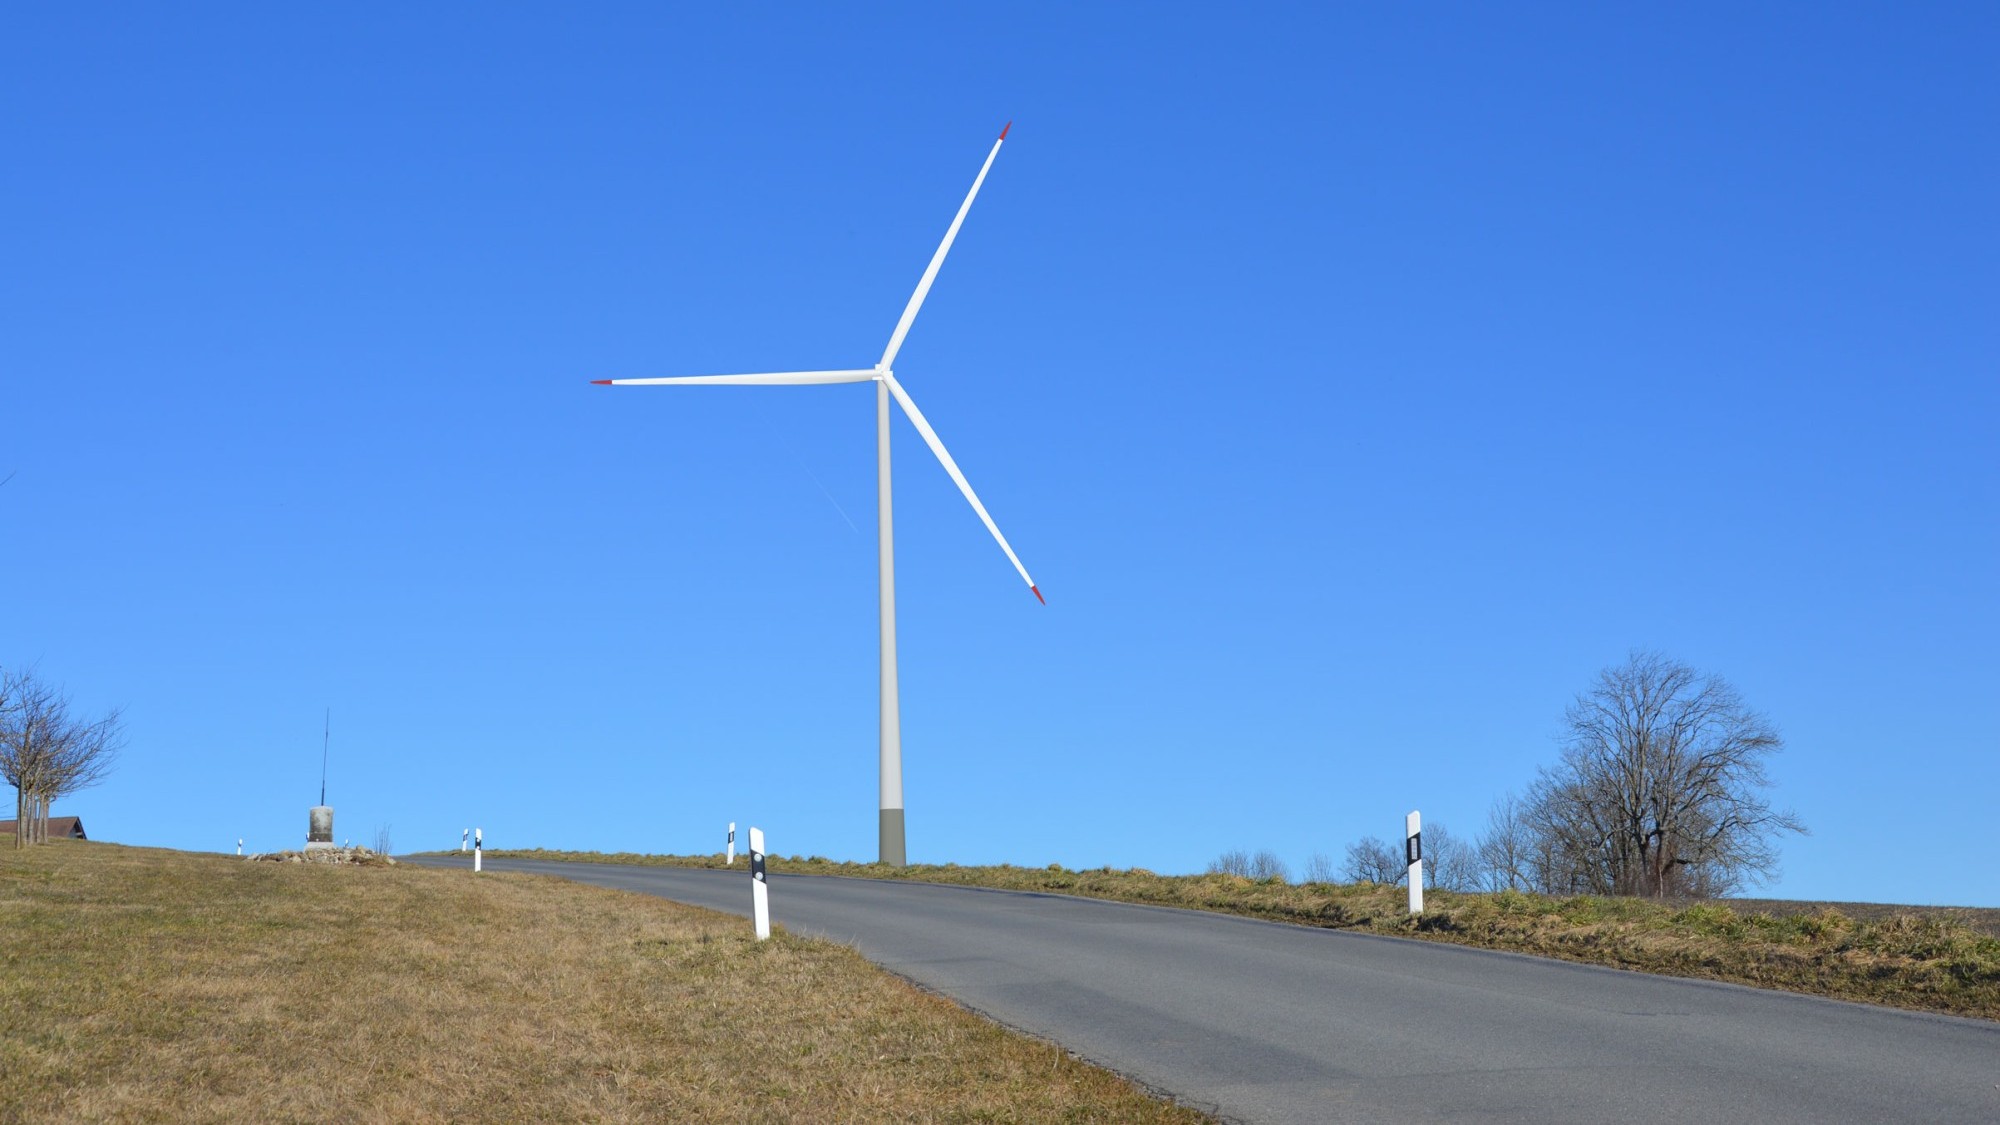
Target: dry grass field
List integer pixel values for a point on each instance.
(1932, 959)
(1979, 919)
(144, 985)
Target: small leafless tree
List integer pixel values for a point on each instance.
(1659, 791)
(31, 716)
(1320, 869)
(1263, 865)
(45, 753)
(1370, 860)
(1267, 865)
(1506, 847)
(1450, 864)
(1236, 861)
(383, 844)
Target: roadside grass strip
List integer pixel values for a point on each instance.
(147, 985)
(1933, 959)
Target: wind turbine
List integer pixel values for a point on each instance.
(886, 388)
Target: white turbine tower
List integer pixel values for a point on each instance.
(886, 387)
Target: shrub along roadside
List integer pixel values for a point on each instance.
(1925, 959)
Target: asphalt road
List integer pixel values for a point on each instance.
(1264, 1022)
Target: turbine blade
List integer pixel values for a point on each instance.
(937, 259)
(950, 466)
(774, 378)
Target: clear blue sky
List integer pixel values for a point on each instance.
(1355, 382)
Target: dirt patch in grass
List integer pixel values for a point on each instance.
(1931, 959)
(161, 986)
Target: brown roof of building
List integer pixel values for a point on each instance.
(60, 828)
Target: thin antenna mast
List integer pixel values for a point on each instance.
(325, 738)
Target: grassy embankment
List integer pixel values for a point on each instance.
(1930, 959)
(138, 984)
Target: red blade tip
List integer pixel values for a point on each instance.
(600, 382)
(1004, 128)
(1038, 595)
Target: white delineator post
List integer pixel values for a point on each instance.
(464, 835)
(475, 849)
(1413, 850)
(760, 892)
(729, 860)
(239, 845)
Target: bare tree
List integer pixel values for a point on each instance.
(1450, 864)
(1659, 788)
(1235, 861)
(45, 753)
(1266, 865)
(1320, 869)
(1370, 860)
(1506, 847)
(30, 721)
